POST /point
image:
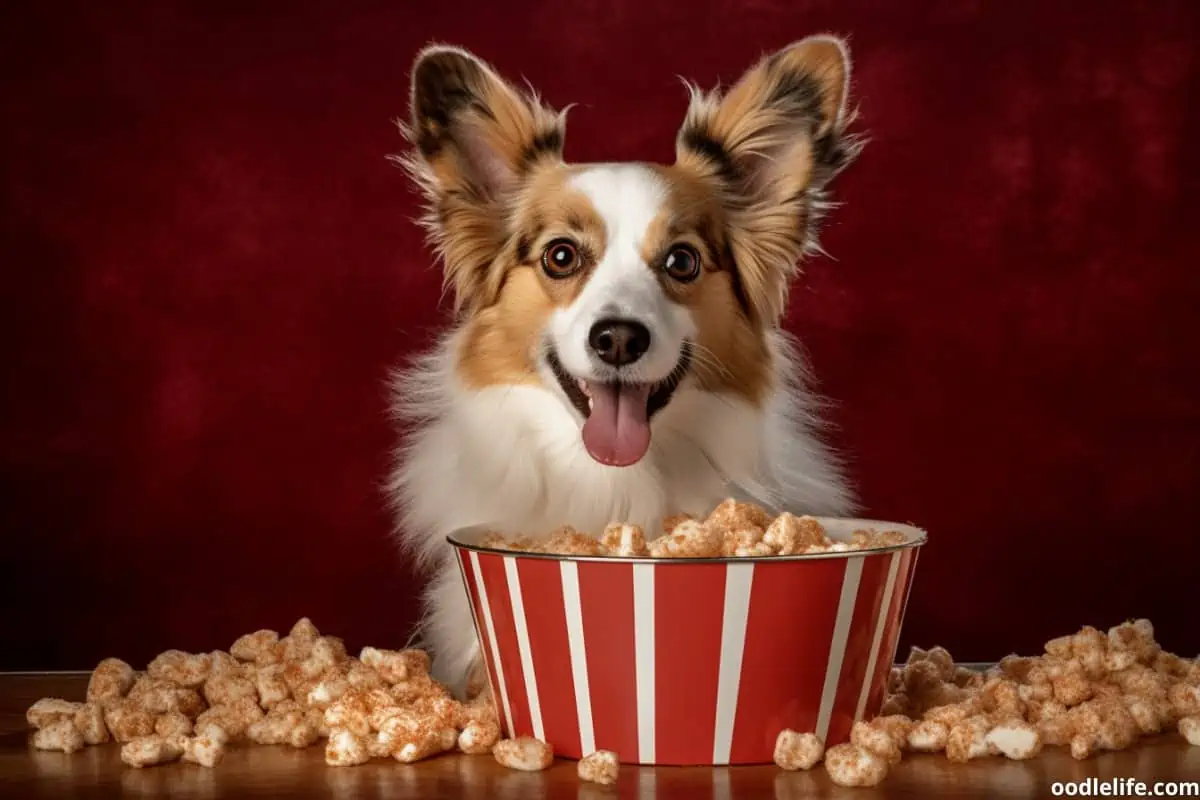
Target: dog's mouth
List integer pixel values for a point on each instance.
(616, 427)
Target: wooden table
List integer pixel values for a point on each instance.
(280, 772)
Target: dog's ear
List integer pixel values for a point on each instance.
(771, 144)
(474, 137)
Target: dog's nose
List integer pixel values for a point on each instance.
(619, 341)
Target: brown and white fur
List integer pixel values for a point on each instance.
(494, 414)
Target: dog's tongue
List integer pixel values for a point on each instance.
(617, 432)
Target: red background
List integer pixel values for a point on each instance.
(208, 268)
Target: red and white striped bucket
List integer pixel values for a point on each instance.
(688, 661)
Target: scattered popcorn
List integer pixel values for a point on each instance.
(346, 749)
(127, 721)
(89, 721)
(59, 734)
(798, 750)
(1189, 728)
(173, 723)
(49, 710)
(111, 680)
(203, 750)
(928, 736)
(968, 739)
(479, 737)
(185, 669)
(147, 751)
(877, 740)
(599, 767)
(261, 647)
(523, 753)
(1015, 739)
(734, 515)
(851, 765)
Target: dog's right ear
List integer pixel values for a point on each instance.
(474, 137)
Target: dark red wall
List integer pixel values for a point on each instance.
(208, 268)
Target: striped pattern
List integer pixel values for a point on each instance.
(686, 663)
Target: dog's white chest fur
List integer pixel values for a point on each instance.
(511, 458)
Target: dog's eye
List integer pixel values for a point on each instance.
(683, 263)
(560, 258)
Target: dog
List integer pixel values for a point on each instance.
(616, 352)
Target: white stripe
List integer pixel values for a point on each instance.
(885, 605)
(491, 630)
(738, 580)
(837, 648)
(518, 607)
(583, 693)
(643, 646)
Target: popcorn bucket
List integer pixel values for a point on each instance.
(688, 661)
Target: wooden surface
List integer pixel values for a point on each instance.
(263, 772)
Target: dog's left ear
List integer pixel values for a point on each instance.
(475, 138)
(772, 144)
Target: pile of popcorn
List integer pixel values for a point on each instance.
(733, 529)
(1089, 692)
(296, 691)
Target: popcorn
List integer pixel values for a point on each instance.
(877, 740)
(798, 750)
(126, 721)
(479, 737)
(790, 535)
(89, 721)
(59, 734)
(690, 540)
(1015, 739)
(262, 647)
(523, 753)
(297, 645)
(394, 666)
(733, 529)
(1189, 728)
(429, 744)
(625, 540)
(346, 749)
(928, 736)
(147, 751)
(669, 523)
(172, 723)
(181, 668)
(49, 710)
(111, 680)
(968, 739)
(851, 765)
(270, 685)
(734, 515)
(599, 767)
(226, 688)
(232, 718)
(1185, 699)
(570, 542)
(286, 723)
(203, 750)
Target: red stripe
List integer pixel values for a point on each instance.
(891, 634)
(606, 595)
(689, 604)
(793, 607)
(858, 646)
(496, 583)
(485, 644)
(546, 620)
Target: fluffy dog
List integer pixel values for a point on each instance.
(617, 351)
